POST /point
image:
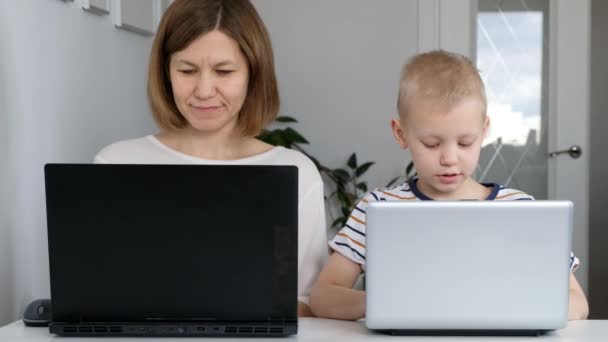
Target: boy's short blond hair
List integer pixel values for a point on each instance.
(185, 21)
(442, 77)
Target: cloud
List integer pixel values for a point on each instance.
(511, 126)
(510, 58)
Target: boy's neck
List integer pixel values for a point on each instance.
(470, 189)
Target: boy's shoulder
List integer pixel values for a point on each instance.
(401, 192)
(505, 193)
(409, 192)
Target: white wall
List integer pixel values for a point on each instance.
(6, 278)
(69, 83)
(338, 64)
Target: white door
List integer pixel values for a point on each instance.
(534, 58)
(569, 113)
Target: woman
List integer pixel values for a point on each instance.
(212, 88)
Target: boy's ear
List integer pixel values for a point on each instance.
(398, 133)
(486, 126)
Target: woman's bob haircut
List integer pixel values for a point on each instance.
(185, 21)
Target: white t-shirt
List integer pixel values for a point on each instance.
(312, 241)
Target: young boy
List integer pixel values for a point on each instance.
(442, 120)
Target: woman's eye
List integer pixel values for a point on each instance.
(224, 72)
(465, 144)
(187, 71)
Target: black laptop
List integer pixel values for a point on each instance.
(172, 250)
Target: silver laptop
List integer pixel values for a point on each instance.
(468, 266)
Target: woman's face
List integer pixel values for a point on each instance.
(209, 80)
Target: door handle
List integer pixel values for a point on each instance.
(574, 151)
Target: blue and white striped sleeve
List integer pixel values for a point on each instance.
(574, 262)
(350, 240)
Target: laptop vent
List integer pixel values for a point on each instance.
(100, 329)
(96, 329)
(233, 330)
(253, 330)
(70, 330)
(115, 329)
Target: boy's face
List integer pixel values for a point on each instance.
(445, 144)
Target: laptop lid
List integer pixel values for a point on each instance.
(468, 265)
(172, 243)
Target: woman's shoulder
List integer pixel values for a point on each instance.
(306, 167)
(293, 157)
(127, 151)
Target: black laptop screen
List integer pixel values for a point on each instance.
(172, 242)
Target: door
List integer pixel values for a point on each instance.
(534, 59)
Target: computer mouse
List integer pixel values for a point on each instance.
(38, 313)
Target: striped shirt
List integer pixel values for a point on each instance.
(350, 240)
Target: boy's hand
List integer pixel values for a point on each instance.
(304, 310)
(333, 295)
(578, 308)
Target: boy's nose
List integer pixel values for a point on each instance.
(448, 157)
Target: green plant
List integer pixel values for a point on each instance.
(286, 137)
(347, 186)
(408, 175)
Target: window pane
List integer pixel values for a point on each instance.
(511, 43)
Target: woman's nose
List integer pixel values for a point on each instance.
(205, 87)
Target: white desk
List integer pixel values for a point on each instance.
(316, 329)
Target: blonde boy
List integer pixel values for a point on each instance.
(442, 121)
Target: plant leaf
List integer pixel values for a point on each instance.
(341, 174)
(352, 161)
(392, 182)
(293, 136)
(343, 198)
(362, 186)
(410, 177)
(285, 119)
(263, 136)
(363, 168)
(409, 168)
(277, 138)
(338, 222)
(274, 137)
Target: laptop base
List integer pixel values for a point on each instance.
(173, 330)
(446, 332)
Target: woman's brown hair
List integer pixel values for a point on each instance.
(185, 21)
